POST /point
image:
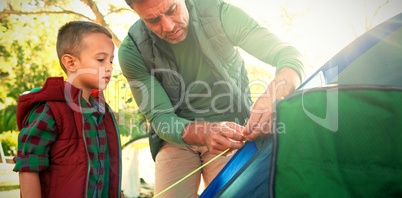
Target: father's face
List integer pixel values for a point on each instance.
(166, 18)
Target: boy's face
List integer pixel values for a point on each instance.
(94, 67)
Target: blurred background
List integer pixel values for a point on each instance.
(28, 30)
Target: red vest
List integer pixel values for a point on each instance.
(68, 171)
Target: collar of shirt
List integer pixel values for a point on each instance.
(95, 107)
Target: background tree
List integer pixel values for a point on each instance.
(56, 8)
(371, 10)
(28, 30)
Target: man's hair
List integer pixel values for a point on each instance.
(129, 2)
(69, 38)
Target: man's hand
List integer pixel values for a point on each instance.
(217, 136)
(261, 114)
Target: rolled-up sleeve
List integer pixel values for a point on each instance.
(35, 139)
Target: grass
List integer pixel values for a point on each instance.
(9, 184)
(8, 188)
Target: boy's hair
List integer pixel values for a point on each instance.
(69, 38)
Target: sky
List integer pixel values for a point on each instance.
(321, 28)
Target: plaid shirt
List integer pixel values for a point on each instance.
(35, 139)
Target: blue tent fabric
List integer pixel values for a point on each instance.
(354, 50)
(244, 166)
(247, 173)
(228, 172)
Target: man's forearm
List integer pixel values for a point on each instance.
(30, 184)
(285, 82)
(290, 75)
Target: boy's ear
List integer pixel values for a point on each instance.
(69, 62)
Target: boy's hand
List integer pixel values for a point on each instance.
(30, 184)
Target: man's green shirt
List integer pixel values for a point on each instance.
(205, 98)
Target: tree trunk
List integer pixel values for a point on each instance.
(101, 19)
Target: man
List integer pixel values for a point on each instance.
(190, 82)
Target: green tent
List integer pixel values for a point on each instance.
(337, 136)
(343, 139)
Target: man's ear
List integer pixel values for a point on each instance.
(69, 62)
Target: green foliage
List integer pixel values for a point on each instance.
(9, 141)
(8, 120)
(134, 120)
(28, 74)
(124, 139)
(28, 55)
(118, 96)
(259, 76)
(9, 188)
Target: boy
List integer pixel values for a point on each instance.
(69, 144)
